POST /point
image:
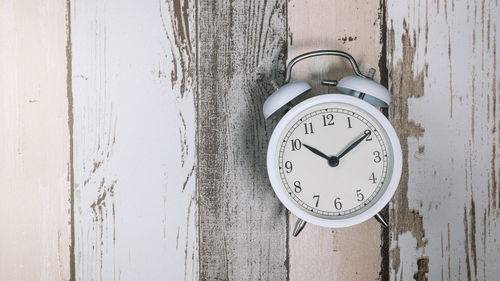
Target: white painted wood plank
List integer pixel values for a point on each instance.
(34, 142)
(442, 61)
(134, 140)
(318, 253)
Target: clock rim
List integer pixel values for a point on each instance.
(394, 144)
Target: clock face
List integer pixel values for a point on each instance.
(334, 160)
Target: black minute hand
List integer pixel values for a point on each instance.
(317, 152)
(353, 145)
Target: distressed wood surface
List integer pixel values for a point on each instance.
(34, 176)
(242, 224)
(352, 253)
(442, 59)
(133, 144)
(133, 86)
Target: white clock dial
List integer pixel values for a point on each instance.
(333, 160)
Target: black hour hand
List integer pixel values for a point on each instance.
(317, 152)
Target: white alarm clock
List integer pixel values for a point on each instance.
(333, 160)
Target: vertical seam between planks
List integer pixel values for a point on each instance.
(196, 135)
(384, 80)
(69, 93)
(382, 64)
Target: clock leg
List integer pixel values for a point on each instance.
(381, 219)
(299, 225)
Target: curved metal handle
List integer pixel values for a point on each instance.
(321, 53)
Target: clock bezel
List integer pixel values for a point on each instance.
(393, 143)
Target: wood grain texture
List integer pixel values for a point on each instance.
(442, 59)
(133, 66)
(242, 224)
(137, 127)
(34, 142)
(353, 253)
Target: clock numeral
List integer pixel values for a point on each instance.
(360, 195)
(309, 128)
(377, 158)
(349, 123)
(289, 167)
(317, 199)
(298, 188)
(296, 144)
(328, 120)
(337, 203)
(369, 137)
(373, 178)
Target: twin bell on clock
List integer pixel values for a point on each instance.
(333, 160)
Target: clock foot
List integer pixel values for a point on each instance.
(381, 219)
(299, 225)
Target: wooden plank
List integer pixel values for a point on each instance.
(134, 140)
(352, 253)
(443, 76)
(34, 159)
(242, 224)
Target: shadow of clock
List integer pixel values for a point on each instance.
(254, 139)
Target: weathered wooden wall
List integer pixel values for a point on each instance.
(133, 144)
(442, 73)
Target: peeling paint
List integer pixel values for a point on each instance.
(423, 269)
(183, 57)
(134, 125)
(405, 84)
(451, 135)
